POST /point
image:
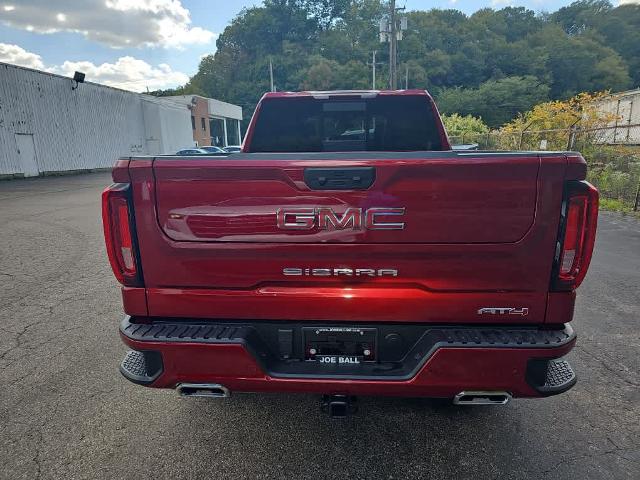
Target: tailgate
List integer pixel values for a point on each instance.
(432, 200)
(406, 236)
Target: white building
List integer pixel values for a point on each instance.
(625, 108)
(48, 123)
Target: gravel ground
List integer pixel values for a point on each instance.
(65, 411)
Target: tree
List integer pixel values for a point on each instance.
(493, 64)
(580, 63)
(495, 101)
(464, 129)
(326, 12)
(620, 27)
(551, 121)
(581, 15)
(320, 75)
(581, 109)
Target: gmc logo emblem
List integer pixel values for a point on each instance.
(376, 218)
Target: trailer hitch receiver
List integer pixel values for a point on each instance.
(339, 406)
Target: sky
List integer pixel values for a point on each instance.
(145, 44)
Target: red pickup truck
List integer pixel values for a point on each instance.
(348, 250)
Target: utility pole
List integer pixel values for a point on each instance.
(393, 47)
(406, 76)
(373, 74)
(271, 74)
(374, 66)
(391, 31)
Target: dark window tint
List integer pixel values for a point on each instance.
(216, 128)
(204, 124)
(384, 123)
(233, 132)
(193, 122)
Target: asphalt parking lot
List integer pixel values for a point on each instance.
(65, 411)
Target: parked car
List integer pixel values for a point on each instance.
(191, 151)
(212, 149)
(342, 264)
(465, 146)
(232, 148)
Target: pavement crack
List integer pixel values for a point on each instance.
(18, 339)
(591, 455)
(608, 367)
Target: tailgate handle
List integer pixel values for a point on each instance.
(347, 178)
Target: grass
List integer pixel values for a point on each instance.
(615, 205)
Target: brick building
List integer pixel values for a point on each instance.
(213, 122)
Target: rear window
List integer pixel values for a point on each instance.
(384, 123)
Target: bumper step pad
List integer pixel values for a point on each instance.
(551, 377)
(141, 367)
(559, 374)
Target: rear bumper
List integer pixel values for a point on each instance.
(437, 361)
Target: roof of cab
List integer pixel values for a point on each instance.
(344, 93)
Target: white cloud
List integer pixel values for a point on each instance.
(19, 56)
(116, 23)
(629, 2)
(128, 73)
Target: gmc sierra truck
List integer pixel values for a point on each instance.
(348, 250)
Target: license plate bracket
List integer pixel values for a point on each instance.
(340, 345)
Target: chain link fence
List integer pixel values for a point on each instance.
(612, 153)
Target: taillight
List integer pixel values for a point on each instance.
(577, 235)
(119, 234)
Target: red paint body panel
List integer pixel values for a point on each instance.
(469, 200)
(560, 307)
(437, 278)
(345, 304)
(446, 373)
(120, 172)
(134, 301)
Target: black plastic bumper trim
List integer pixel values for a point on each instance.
(260, 340)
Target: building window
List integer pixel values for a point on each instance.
(204, 124)
(193, 122)
(217, 130)
(233, 132)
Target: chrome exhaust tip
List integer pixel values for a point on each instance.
(482, 398)
(210, 390)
